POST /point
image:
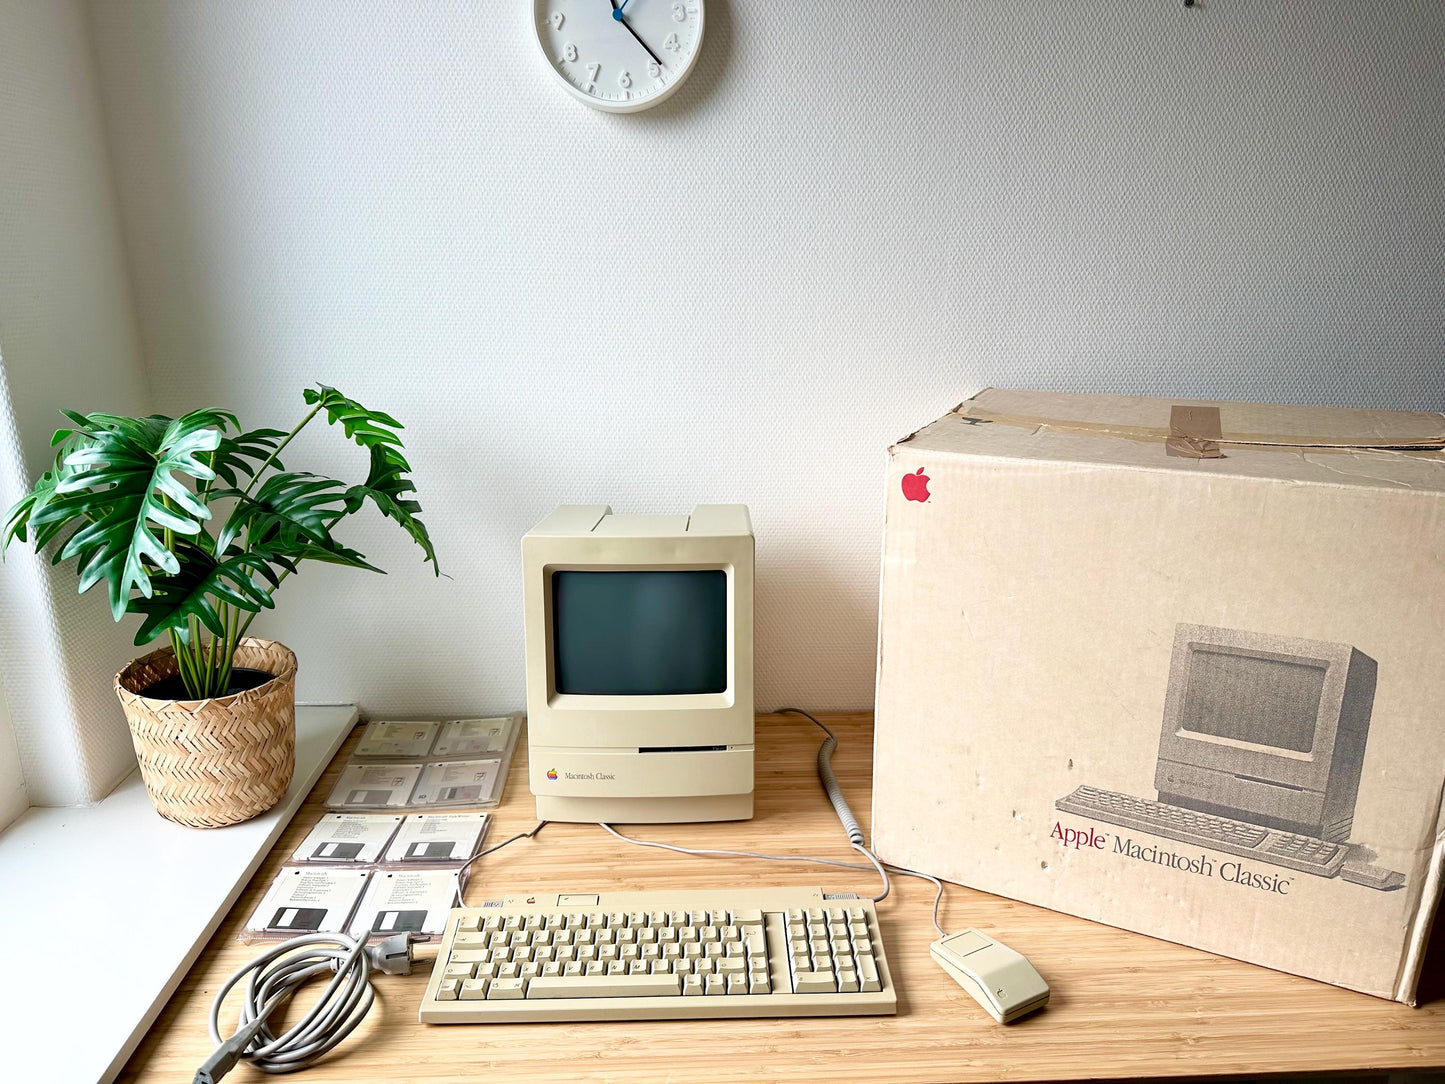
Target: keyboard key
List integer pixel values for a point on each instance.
(814, 982)
(507, 989)
(868, 974)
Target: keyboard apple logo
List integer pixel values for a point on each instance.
(552, 774)
(915, 486)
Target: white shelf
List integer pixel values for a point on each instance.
(105, 908)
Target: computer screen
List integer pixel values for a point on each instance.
(640, 633)
(1255, 697)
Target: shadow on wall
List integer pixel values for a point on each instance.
(712, 65)
(808, 616)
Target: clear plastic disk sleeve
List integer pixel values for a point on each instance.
(438, 837)
(408, 901)
(355, 838)
(491, 736)
(307, 899)
(374, 785)
(459, 783)
(397, 738)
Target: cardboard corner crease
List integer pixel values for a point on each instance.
(1138, 650)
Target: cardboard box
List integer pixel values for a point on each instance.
(1176, 667)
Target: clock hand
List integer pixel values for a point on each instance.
(617, 14)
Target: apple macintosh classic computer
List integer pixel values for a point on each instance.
(639, 637)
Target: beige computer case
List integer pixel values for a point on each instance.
(1045, 556)
(611, 758)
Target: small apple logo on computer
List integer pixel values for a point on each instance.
(915, 486)
(551, 773)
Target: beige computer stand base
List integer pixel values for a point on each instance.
(712, 807)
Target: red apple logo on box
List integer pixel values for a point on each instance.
(915, 486)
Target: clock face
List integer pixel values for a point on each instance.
(619, 55)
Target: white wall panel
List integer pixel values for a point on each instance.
(840, 227)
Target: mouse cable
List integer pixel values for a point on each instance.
(840, 806)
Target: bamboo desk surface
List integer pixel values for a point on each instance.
(1123, 1005)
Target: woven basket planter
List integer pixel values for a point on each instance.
(209, 763)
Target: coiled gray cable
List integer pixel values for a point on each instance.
(830, 781)
(272, 978)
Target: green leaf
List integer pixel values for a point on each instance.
(369, 428)
(245, 453)
(33, 505)
(289, 512)
(334, 554)
(386, 486)
(122, 480)
(196, 589)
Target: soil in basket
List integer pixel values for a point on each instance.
(173, 688)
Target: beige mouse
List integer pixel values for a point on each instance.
(997, 977)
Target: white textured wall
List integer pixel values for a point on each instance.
(13, 796)
(841, 226)
(68, 337)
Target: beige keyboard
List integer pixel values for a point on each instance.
(660, 956)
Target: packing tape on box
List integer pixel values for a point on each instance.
(1195, 432)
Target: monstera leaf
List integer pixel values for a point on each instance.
(242, 579)
(289, 511)
(245, 454)
(28, 516)
(386, 486)
(368, 428)
(122, 481)
(291, 516)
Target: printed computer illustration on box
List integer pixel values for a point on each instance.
(1260, 756)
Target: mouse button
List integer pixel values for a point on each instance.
(961, 944)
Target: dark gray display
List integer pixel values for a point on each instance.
(1252, 696)
(645, 633)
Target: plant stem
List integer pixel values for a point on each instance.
(286, 572)
(231, 644)
(183, 662)
(277, 451)
(279, 579)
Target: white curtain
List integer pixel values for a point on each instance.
(69, 339)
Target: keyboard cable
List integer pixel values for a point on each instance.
(273, 978)
(834, 792)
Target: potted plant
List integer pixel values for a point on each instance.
(133, 501)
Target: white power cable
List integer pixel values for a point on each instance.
(845, 814)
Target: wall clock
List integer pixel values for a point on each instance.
(619, 55)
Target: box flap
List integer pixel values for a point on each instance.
(1142, 418)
